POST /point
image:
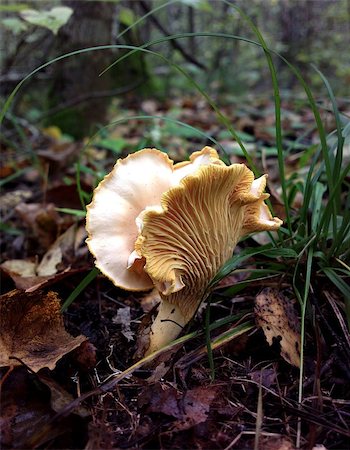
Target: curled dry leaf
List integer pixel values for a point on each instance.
(60, 398)
(189, 408)
(55, 264)
(123, 318)
(32, 330)
(276, 315)
(44, 221)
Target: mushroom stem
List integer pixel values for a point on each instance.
(166, 327)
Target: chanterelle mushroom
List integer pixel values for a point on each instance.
(153, 223)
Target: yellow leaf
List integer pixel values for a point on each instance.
(276, 315)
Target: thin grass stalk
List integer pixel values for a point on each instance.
(339, 152)
(208, 340)
(302, 334)
(278, 126)
(81, 286)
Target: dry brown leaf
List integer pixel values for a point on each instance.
(27, 418)
(189, 408)
(32, 330)
(43, 220)
(60, 398)
(55, 264)
(19, 267)
(275, 443)
(63, 246)
(276, 315)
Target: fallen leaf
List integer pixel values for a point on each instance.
(60, 155)
(64, 245)
(276, 315)
(32, 330)
(27, 418)
(11, 199)
(85, 356)
(190, 408)
(123, 318)
(19, 267)
(196, 405)
(66, 196)
(33, 283)
(44, 221)
(55, 264)
(275, 443)
(60, 398)
(266, 377)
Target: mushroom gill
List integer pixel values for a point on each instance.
(136, 183)
(153, 223)
(194, 233)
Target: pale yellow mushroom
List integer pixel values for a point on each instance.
(185, 244)
(152, 223)
(112, 221)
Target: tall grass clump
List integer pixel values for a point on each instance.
(311, 252)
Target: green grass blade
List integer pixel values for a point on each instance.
(73, 212)
(13, 176)
(237, 260)
(278, 126)
(208, 340)
(343, 287)
(81, 286)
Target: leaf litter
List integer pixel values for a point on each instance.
(175, 405)
(32, 330)
(276, 315)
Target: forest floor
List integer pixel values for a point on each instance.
(51, 359)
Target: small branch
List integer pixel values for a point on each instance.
(172, 42)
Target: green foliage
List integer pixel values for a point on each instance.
(14, 7)
(14, 24)
(127, 16)
(53, 19)
(116, 146)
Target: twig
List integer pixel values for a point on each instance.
(172, 42)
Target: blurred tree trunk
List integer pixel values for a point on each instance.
(79, 94)
(297, 30)
(191, 28)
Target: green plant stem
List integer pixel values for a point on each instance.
(208, 340)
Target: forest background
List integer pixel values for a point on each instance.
(84, 83)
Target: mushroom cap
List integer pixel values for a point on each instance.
(202, 219)
(113, 218)
(135, 182)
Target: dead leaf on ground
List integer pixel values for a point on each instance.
(275, 443)
(60, 155)
(32, 330)
(189, 408)
(266, 377)
(66, 196)
(9, 200)
(123, 318)
(63, 246)
(60, 398)
(27, 418)
(29, 275)
(85, 356)
(276, 315)
(43, 220)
